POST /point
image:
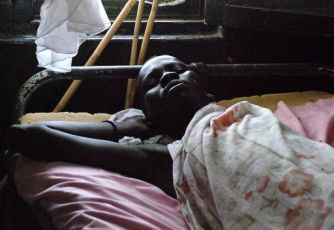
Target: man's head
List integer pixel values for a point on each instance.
(171, 93)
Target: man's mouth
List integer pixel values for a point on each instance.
(174, 87)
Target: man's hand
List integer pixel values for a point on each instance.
(133, 127)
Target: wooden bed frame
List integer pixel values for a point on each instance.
(225, 81)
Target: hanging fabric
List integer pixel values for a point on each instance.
(64, 26)
(168, 2)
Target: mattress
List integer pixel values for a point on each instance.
(268, 101)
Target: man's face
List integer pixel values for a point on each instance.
(171, 92)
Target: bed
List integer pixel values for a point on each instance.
(230, 83)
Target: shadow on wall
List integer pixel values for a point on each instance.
(246, 46)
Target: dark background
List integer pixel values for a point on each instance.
(267, 37)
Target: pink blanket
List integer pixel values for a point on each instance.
(79, 197)
(313, 120)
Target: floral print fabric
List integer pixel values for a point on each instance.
(241, 168)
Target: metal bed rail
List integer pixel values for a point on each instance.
(258, 78)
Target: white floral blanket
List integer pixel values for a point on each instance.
(243, 169)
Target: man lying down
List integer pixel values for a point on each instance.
(235, 168)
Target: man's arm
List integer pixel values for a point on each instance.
(150, 162)
(44, 142)
(99, 130)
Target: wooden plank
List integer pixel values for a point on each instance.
(6, 10)
(319, 7)
(191, 9)
(214, 12)
(22, 11)
(246, 17)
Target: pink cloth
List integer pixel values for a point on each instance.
(80, 197)
(314, 119)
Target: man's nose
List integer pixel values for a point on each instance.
(167, 77)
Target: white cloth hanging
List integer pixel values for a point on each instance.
(168, 2)
(64, 26)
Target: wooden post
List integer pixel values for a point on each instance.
(134, 49)
(97, 53)
(144, 45)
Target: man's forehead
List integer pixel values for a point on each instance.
(163, 58)
(166, 63)
(160, 62)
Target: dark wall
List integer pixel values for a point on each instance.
(256, 46)
(17, 63)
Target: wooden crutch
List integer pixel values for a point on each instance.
(134, 49)
(97, 53)
(144, 45)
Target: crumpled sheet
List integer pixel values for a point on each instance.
(64, 26)
(241, 168)
(314, 120)
(132, 113)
